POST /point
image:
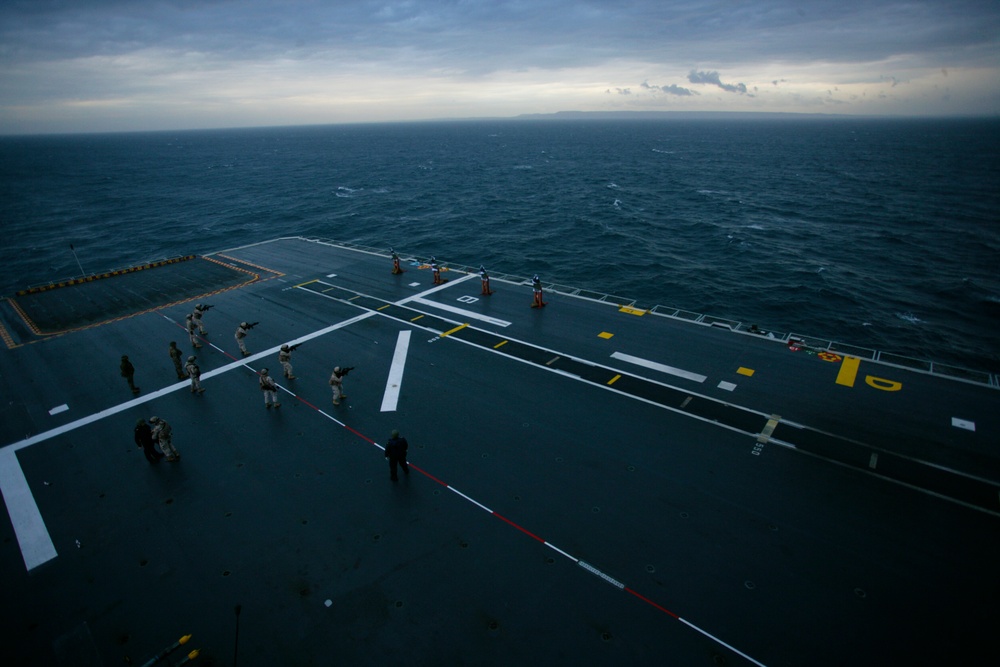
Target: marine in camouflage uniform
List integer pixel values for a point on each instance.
(195, 374)
(164, 436)
(175, 356)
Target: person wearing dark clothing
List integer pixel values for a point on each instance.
(144, 439)
(128, 372)
(395, 451)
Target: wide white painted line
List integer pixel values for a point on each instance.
(460, 311)
(392, 385)
(32, 535)
(646, 363)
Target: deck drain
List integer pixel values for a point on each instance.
(485, 455)
(143, 563)
(771, 526)
(101, 495)
(750, 585)
(684, 515)
(549, 560)
(650, 569)
(595, 510)
(494, 625)
(463, 544)
(368, 481)
(168, 501)
(606, 636)
(860, 592)
(376, 537)
(239, 465)
(399, 603)
(305, 521)
(228, 514)
(226, 573)
(559, 459)
(437, 492)
(631, 468)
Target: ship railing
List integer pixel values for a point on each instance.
(812, 342)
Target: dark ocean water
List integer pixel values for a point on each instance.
(877, 233)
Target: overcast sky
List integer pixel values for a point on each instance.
(104, 65)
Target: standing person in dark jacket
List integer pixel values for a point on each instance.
(395, 451)
(128, 372)
(144, 439)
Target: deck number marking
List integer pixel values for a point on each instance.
(467, 299)
(849, 372)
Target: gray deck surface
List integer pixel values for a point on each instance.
(565, 506)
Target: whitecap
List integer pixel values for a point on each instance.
(613, 186)
(909, 317)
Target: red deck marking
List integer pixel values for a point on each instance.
(650, 602)
(526, 532)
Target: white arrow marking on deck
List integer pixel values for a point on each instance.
(460, 311)
(392, 385)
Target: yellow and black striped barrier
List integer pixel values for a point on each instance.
(108, 274)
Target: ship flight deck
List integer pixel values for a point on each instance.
(592, 482)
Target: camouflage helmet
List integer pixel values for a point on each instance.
(243, 324)
(191, 358)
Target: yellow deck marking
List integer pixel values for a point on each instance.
(552, 360)
(357, 296)
(414, 319)
(772, 423)
(308, 282)
(848, 371)
(614, 379)
(745, 371)
(605, 335)
(328, 289)
(631, 311)
(500, 344)
(451, 331)
(383, 307)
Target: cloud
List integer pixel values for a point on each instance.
(672, 89)
(713, 79)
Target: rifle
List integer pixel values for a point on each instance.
(292, 348)
(344, 371)
(252, 325)
(204, 307)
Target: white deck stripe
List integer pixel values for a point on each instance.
(460, 311)
(32, 535)
(391, 396)
(646, 363)
(719, 641)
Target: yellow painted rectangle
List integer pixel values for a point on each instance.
(745, 371)
(383, 307)
(848, 371)
(632, 311)
(500, 344)
(414, 319)
(458, 328)
(605, 335)
(614, 379)
(308, 282)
